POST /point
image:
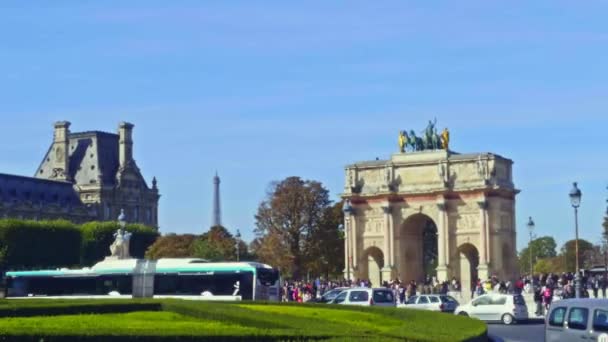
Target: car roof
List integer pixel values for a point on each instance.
(583, 302)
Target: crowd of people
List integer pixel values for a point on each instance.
(544, 288)
(302, 291)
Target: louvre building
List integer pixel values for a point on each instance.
(84, 176)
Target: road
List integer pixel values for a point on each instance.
(533, 331)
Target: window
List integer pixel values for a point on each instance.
(423, 300)
(412, 300)
(501, 300)
(485, 300)
(384, 297)
(341, 297)
(557, 317)
(600, 320)
(358, 296)
(434, 299)
(577, 319)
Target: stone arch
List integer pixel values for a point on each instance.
(417, 247)
(467, 267)
(373, 262)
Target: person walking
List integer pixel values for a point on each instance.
(538, 300)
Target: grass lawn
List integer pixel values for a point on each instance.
(173, 320)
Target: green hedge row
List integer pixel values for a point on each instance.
(26, 244)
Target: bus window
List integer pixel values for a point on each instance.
(216, 284)
(267, 277)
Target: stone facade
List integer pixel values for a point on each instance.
(469, 198)
(83, 177)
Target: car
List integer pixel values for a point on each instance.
(328, 296)
(365, 297)
(440, 303)
(577, 319)
(495, 307)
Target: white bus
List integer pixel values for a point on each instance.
(165, 278)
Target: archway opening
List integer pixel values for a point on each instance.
(418, 248)
(372, 267)
(469, 261)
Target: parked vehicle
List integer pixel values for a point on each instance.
(505, 308)
(365, 297)
(440, 303)
(328, 296)
(577, 319)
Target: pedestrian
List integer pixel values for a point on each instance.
(538, 300)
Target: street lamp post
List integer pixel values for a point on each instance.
(531, 229)
(238, 244)
(575, 200)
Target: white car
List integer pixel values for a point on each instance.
(505, 308)
(440, 303)
(365, 297)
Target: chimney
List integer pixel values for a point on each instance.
(61, 142)
(125, 143)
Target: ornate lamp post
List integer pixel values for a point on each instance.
(347, 210)
(575, 200)
(530, 229)
(238, 244)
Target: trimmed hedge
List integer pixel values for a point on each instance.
(140, 320)
(98, 236)
(26, 244)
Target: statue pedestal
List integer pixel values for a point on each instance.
(442, 273)
(420, 156)
(483, 272)
(387, 274)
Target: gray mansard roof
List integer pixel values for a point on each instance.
(93, 157)
(18, 189)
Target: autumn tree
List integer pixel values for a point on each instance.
(219, 245)
(325, 247)
(172, 246)
(292, 217)
(568, 252)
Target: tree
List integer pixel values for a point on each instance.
(289, 217)
(550, 265)
(216, 245)
(325, 247)
(568, 252)
(172, 246)
(540, 248)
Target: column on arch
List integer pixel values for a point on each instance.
(443, 241)
(387, 270)
(483, 269)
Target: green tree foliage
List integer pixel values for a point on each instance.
(568, 253)
(325, 247)
(540, 248)
(38, 244)
(296, 229)
(550, 265)
(98, 236)
(172, 246)
(219, 245)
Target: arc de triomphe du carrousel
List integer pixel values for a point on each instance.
(428, 211)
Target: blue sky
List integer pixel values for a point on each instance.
(262, 90)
